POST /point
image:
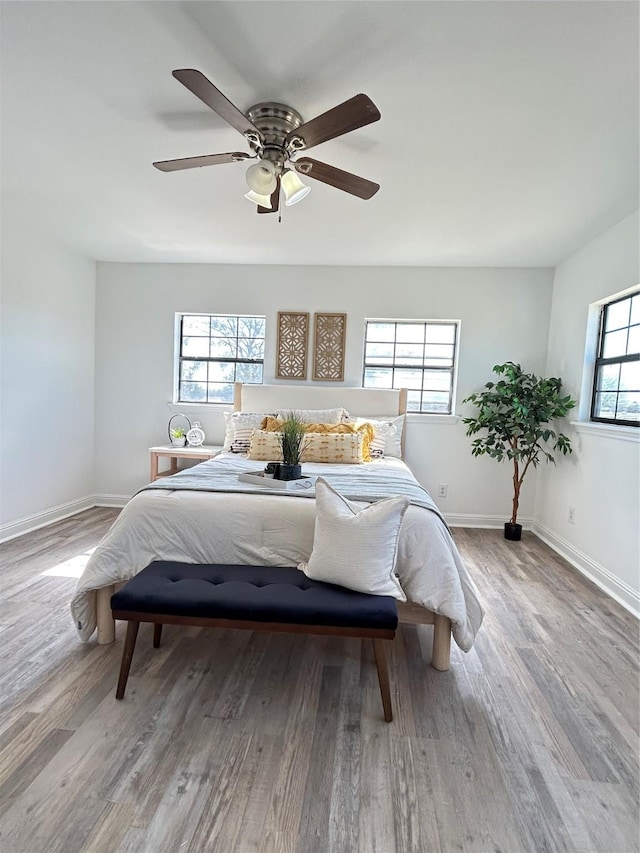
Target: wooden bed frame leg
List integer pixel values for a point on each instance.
(157, 635)
(104, 620)
(127, 655)
(441, 654)
(379, 650)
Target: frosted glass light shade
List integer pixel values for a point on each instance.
(261, 177)
(262, 200)
(294, 189)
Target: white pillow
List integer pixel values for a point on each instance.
(356, 547)
(315, 416)
(387, 434)
(238, 429)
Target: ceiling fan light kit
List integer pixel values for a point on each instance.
(276, 134)
(293, 188)
(262, 200)
(261, 177)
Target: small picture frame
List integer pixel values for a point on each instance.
(329, 336)
(292, 345)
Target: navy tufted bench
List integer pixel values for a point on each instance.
(256, 598)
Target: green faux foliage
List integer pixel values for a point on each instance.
(515, 413)
(292, 439)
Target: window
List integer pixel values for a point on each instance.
(419, 355)
(214, 351)
(616, 386)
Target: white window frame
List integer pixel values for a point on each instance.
(179, 358)
(599, 360)
(398, 365)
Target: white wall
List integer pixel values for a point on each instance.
(504, 314)
(602, 477)
(46, 380)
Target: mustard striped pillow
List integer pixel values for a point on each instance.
(330, 448)
(265, 446)
(271, 424)
(334, 447)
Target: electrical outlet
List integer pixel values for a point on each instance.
(572, 515)
(443, 488)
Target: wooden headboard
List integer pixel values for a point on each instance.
(365, 402)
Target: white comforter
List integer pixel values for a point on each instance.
(261, 528)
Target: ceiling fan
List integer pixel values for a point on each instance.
(277, 137)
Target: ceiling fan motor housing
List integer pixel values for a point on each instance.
(274, 121)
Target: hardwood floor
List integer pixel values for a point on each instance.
(233, 741)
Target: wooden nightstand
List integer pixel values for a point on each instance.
(205, 451)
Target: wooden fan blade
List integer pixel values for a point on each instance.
(204, 89)
(275, 201)
(353, 184)
(205, 160)
(352, 114)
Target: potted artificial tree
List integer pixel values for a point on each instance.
(292, 443)
(514, 414)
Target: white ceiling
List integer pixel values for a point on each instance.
(509, 130)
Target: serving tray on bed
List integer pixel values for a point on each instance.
(302, 484)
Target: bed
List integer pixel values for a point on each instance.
(207, 515)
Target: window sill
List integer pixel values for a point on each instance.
(621, 433)
(419, 418)
(196, 405)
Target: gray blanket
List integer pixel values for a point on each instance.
(367, 483)
(195, 517)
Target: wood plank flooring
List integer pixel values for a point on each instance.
(233, 742)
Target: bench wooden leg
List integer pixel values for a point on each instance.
(157, 634)
(380, 652)
(127, 655)
(441, 654)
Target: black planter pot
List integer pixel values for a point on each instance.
(512, 531)
(288, 472)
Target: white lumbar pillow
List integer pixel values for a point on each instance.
(356, 547)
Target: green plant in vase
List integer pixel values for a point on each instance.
(292, 443)
(178, 436)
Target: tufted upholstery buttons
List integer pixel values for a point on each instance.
(251, 593)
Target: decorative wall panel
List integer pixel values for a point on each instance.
(293, 341)
(328, 347)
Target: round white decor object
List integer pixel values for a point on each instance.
(195, 436)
